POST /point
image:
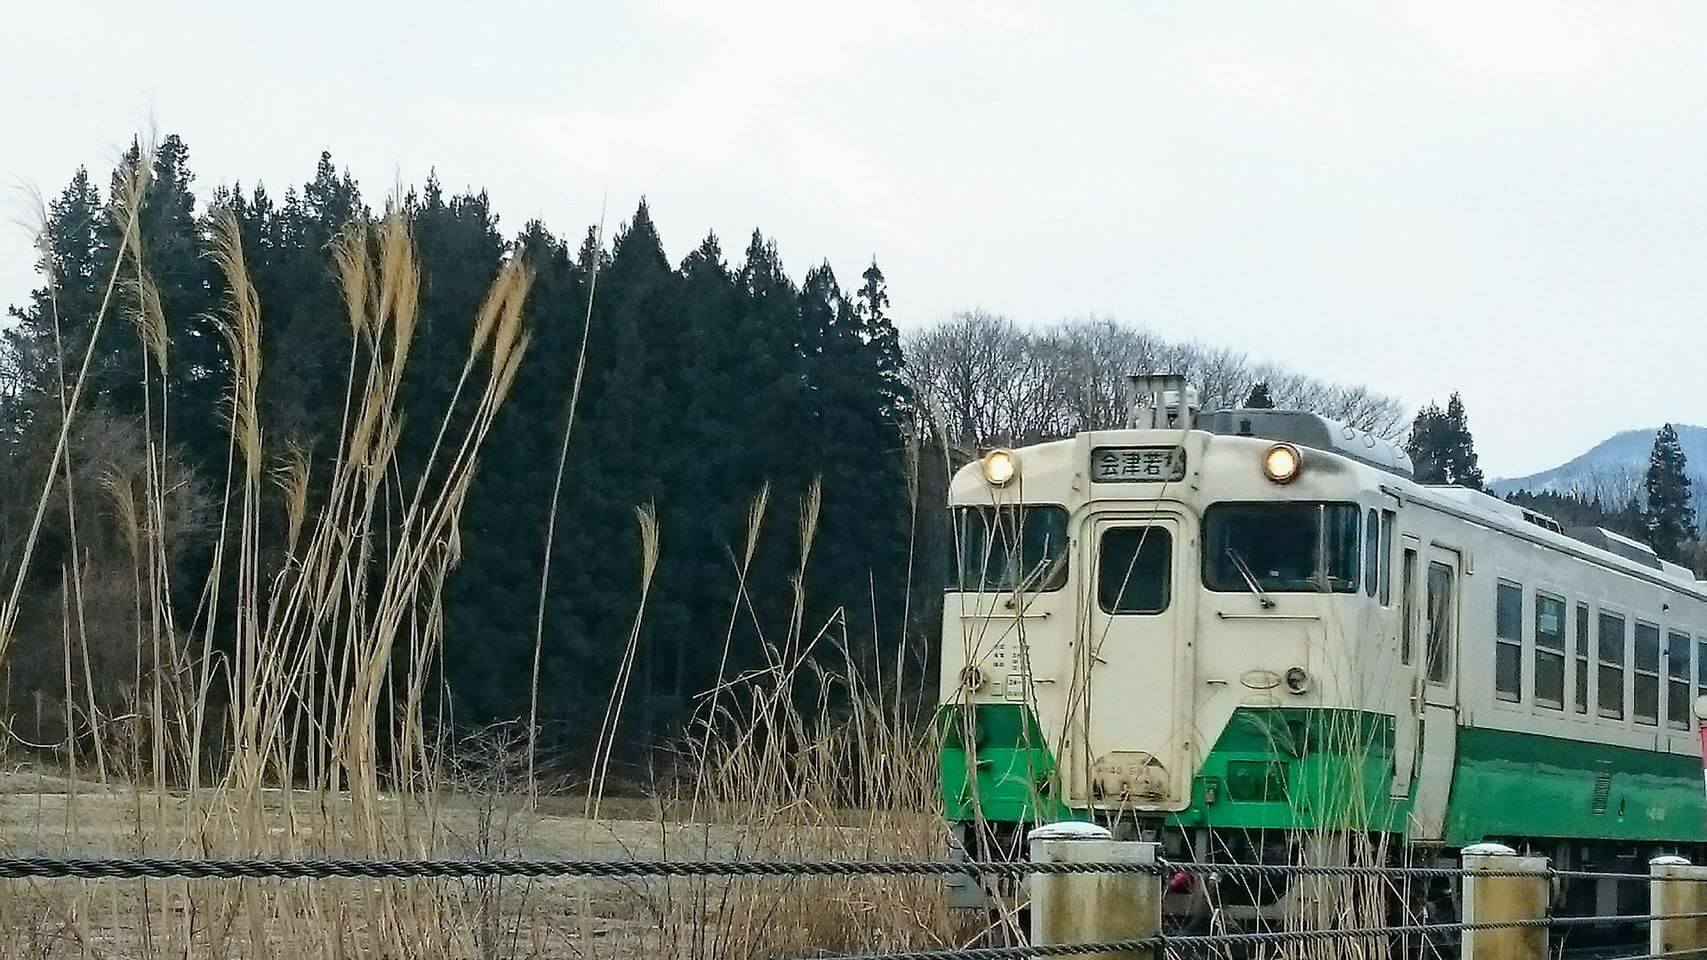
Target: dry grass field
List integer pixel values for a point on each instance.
(290, 713)
(42, 814)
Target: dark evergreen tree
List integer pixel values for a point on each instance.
(55, 323)
(1258, 398)
(1670, 516)
(856, 443)
(308, 346)
(1426, 445)
(1460, 451)
(173, 249)
(492, 601)
(1441, 448)
(877, 330)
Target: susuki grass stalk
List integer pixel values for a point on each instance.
(551, 515)
(48, 267)
(134, 179)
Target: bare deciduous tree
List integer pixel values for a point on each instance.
(985, 379)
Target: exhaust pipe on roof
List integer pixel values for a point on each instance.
(1160, 402)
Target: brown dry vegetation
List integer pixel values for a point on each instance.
(292, 712)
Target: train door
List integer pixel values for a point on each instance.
(1407, 711)
(1442, 594)
(1133, 720)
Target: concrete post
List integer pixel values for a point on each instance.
(1091, 907)
(1677, 887)
(1492, 899)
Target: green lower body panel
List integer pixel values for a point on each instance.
(1298, 769)
(1313, 769)
(1523, 785)
(1007, 775)
(1270, 769)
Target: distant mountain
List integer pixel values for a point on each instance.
(1614, 468)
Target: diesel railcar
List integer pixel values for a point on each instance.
(1230, 631)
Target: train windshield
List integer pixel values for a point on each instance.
(1011, 548)
(1280, 547)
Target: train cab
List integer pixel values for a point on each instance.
(1121, 595)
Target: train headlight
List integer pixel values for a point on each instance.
(1000, 467)
(1282, 463)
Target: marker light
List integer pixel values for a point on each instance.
(1282, 463)
(1000, 467)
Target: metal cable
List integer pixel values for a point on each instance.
(119, 868)
(1283, 869)
(95, 868)
(1327, 870)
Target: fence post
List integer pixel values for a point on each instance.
(1494, 899)
(1091, 907)
(1676, 887)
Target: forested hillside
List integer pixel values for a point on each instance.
(768, 421)
(709, 385)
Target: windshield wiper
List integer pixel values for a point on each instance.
(1042, 573)
(1250, 579)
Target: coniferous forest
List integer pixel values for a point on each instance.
(794, 461)
(711, 385)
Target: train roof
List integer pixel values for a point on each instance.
(1310, 430)
(1317, 432)
(1598, 544)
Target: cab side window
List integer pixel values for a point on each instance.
(1441, 614)
(1371, 552)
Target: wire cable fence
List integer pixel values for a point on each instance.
(48, 867)
(166, 868)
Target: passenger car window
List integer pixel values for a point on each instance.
(1701, 668)
(1677, 680)
(1508, 641)
(1549, 652)
(1610, 640)
(1647, 706)
(1135, 570)
(1580, 681)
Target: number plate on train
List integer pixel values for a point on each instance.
(1137, 464)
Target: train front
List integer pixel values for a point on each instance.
(1150, 627)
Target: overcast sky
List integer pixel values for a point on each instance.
(1505, 199)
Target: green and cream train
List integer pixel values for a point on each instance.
(1231, 630)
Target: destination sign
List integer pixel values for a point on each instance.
(1137, 464)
